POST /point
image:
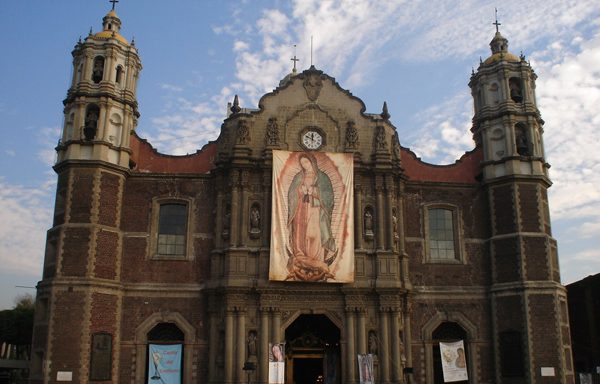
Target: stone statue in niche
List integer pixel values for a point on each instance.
(251, 344)
(368, 220)
(254, 221)
(351, 135)
(243, 132)
(394, 223)
(272, 135)
(98, 70)
(372, 343)
(380, 142)
(226, 222)
(91, 124)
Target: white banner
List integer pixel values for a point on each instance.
(276, 363)
(454, 361)
(365, 369)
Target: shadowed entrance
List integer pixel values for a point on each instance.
(313, 350)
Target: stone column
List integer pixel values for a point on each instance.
(407, 337)
(213, 348)
(350, 347)
(276, 330)
(266, 209)
(235, 210)
(229, 347)
(384, 351)
(380, 214)
(87, 64)
(241, 346)
(358, 217)
(110, 64)
(362, 334)
(243, 222)
(388, 213)
(263, 358)
(396, 351)
(219, 218)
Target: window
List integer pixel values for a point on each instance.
(119, 74)
(441, 235)
(511, 354)
(172, 229)
(98, 69)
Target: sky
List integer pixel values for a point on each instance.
(196, 55)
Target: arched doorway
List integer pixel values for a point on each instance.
(313, 351)
(446, 332)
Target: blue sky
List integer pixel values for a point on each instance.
(416, 55)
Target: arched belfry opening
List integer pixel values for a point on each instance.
(313, 350)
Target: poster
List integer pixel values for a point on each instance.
(164, 363)
(276, 363)
(312, 217)
(365, 369)
(454, 361)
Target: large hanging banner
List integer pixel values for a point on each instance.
(164, 363)
(276, 363)
(454, 362)
(365, 369)
(312, 217)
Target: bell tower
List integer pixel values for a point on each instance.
(79, 293)
(101, 107)
(533, 344)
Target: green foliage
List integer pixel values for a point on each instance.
(16, 325)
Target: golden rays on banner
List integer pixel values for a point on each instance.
(312, 210)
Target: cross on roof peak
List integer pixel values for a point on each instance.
(113, 3)
(496, 23)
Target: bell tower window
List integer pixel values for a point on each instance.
(119, 74)
(516, 94)
(521, 140)
(98, 69)
(91, 122)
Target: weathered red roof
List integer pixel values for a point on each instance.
(148, 159)
(464, 170)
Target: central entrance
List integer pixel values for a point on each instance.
(313, 351)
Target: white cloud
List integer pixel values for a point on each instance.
(25, 216)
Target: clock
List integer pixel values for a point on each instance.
(312, 139)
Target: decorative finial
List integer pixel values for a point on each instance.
(133, 41)
(384, 112)
(496, 23)
(235, 108)
(90, 31)
(113, 3)
(79, 42)
(294, 59)
(472, 71)
(480, 60)
(522, 56)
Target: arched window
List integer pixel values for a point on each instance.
(522, 140)
(172, 229)
(91, 122)
(516, 94)
(511, 354)
(119, 74)
(98, 69)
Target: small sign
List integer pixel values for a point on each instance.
(598, 370)
(64, 376)
(548, 371)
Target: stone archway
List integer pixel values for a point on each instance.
(313, 350)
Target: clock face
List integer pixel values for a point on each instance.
(312, 139)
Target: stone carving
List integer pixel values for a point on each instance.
(226, 222)
(251, 343)
(255, 221)
(380, 141)
(243, 133)
(521, 140)
(372, 343)
(313, 84)
(272, 135)
(368, 221)
(394, 223)
(396, 146)
(351, 135)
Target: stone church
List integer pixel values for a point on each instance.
(376, 252)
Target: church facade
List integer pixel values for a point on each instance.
(305, 223)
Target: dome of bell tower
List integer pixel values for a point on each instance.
(111, 25)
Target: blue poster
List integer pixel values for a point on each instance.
(164, 363)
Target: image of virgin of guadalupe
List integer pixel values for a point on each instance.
(311, 247)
